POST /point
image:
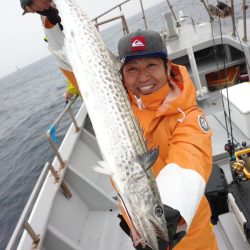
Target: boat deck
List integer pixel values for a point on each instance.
(213, 108)
(93, 192)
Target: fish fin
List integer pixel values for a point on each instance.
(102, 168)
(115, 198)
(103, 164)
(146, 160)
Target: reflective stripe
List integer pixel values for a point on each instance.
(181, 189)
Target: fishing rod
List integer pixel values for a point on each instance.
(229, 146)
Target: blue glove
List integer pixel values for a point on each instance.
(53, 133)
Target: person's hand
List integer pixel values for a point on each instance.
(67, 96)
(31, 6)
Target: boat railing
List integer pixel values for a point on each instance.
(23, 223)
(51, 131)
(123, 20)
(244, 7)
(122, 17)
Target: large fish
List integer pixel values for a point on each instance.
(120, 139)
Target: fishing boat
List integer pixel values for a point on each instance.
(74, 207)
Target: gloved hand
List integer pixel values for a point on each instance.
(67, 96)
(53, 16)
(172, 217)
(44, 8)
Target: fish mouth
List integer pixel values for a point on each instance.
(151, 230)
(159, 232)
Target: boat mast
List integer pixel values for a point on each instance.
(233, 17)
(143, 15)
(244, 7)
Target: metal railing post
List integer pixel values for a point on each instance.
(244, 7)
(74, 120)
(23, 223)
(64, 186)
(233, 17)
(171, 9)
(33, 235)
(124, 25)
(58, 119)
(53, 145)
(106, 12)
(143, 15)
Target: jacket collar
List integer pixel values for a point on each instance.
(152, 101)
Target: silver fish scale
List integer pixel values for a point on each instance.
(118, 134)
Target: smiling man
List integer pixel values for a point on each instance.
(163, 100)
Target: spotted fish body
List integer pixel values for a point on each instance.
(118, 135)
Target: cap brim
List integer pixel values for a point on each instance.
(152, 54)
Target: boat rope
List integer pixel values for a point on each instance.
(225, 69)
(228, 122)
(228, 101)
(217, 67)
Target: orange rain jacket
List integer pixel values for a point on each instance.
(171, 119)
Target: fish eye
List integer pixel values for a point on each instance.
(158, 211)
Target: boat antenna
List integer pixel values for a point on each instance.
(171, 9)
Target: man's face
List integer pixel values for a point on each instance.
(143, 76)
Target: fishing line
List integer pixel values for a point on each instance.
(133, 118)
(247, 65)
(217, 66)
(219, 121)
(225, 69)
(226, 82)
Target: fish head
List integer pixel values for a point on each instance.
(145, 209)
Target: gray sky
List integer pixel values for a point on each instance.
(21, 40)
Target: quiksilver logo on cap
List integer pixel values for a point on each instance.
(138, 43)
